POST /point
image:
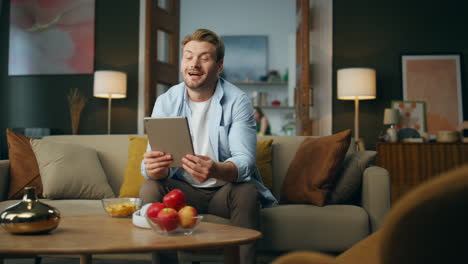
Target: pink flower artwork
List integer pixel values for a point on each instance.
(412, 115)
(51, 37)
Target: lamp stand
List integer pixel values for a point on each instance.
(109, 104)
(359, 141)
(356, 120)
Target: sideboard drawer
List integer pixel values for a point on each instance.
(410, 164)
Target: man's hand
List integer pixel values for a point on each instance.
(202, 168)
(157, 164)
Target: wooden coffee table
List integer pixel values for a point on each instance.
(101, 234)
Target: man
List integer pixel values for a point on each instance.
(221, 179)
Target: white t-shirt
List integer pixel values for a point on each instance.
(201, 140)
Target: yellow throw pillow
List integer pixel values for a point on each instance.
(133, 178)
(264, 160)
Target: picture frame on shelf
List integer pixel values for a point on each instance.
(412, 115)
(436, 80)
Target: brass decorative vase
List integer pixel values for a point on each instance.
(30, 216)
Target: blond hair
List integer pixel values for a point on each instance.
(208, 36)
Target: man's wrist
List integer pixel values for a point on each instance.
(227, 171)
(159, 175)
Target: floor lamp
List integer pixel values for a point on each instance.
(110, 85)
(356, 84)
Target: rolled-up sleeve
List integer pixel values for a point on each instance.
(242, 138)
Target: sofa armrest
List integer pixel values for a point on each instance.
(376, 194)
(4, 178)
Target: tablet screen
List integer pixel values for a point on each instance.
(170, 135)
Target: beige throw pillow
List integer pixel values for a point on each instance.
(70, 171)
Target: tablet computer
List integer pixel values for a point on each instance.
(170, 135)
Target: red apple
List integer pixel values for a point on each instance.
(168, 219)
(186, 215)
(175, 199)
(154, 209)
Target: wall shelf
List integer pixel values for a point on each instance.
(263, 94)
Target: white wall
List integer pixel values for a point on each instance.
(274, 18)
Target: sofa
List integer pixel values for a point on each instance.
(287, 227)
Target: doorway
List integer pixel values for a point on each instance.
(273, 18)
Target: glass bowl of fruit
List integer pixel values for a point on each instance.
(172, 216)
(121, 207)
(174, 226)
(169, 221)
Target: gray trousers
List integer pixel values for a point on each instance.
(238, 202)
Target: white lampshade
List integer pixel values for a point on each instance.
(110, 84)
(356, 83)
(391, 116)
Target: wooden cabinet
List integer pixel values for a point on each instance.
(410, 164)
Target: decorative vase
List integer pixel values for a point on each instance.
(30, 216)
(392, 134)
(77, 103)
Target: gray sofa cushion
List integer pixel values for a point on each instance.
(309, 227)
(350, 177)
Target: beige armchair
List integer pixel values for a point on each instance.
(428, 225)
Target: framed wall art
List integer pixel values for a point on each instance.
(51, 37)
(246, 58)
(412, 115)
(435, 80)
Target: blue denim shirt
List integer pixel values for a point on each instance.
(232, 130)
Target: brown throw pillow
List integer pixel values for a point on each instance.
(314, 168)
(24, 170)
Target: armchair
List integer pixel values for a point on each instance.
(428, 225)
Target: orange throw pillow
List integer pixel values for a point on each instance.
(24, 170)
(313, 170)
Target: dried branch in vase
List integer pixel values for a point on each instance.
(77, 103)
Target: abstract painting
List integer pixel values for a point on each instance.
(245, 58)
(436, 80)
(51, 37)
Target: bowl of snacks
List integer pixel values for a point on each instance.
(121, 207)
